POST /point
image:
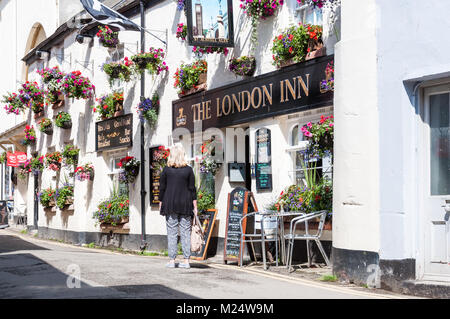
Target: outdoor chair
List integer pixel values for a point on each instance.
(268, 234)
(291, 237)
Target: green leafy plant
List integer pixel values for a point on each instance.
(122, 70)
(149, 109)
(108, 105)
(63, 119)
(152, 61)
(205, 201)
(187, 76)
(70, 154)
(293, 43)
(3, 158)
(113, 209)
(47, 197)
(64, 196)
(45, 124)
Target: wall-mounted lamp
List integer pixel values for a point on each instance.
(42, 55)
(83, 39)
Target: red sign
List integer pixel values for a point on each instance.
(15, 159)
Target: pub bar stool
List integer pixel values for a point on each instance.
(262, 237)
(291, 237)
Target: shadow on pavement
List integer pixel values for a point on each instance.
(29, 277)
(13, 243)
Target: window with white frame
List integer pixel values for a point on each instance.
(114, 174)
(308, 15)
(302, 162)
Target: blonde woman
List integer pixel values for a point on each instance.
(178, 203)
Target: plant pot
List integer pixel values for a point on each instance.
(316, 53)
(67, 125)
(286, 63)
(202, 78)
(194, 90)
(48, 130)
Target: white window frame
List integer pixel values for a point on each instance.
(301, 11)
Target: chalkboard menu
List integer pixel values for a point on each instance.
(263, 160)
(157, 165)
(240, 202)
(207, 220)
(114, 133)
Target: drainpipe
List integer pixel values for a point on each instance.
(143, 190)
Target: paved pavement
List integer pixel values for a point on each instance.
(34, 268)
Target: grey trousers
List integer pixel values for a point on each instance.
(184, 222)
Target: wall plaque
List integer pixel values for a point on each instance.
(113, 133)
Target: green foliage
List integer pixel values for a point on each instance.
(64, 196)
(70, 154)
(47, 197)
(3, 158)
(187, 76)
(205, 201)
(329, 278)
(62, 118)
(122, 70)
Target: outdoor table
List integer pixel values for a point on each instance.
(280, 222)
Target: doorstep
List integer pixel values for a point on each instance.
(429, 289)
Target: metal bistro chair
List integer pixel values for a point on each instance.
(291, 237)
(262, 238)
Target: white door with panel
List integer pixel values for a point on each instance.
(436, 182)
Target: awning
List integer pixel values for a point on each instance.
(14, 136)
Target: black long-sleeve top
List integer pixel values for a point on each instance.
(177, 190)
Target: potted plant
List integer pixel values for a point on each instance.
(76, 86)
(113, 212)
(53, 78)
(32, 96)
(320, 135)
(130, 169)
(159, 159)
(70, 154)
(47, 197)
(148, 110)
(46, 126)
(205, 201)
(13, 103)
(208, 165)
(257, 10)
(37, 164)
(85, 172)
(122, 70)
(64, 196)
(181, 31)
(152, 61)
(244, 65)
(107, 37)
(30, 135)
(24, 169)
(109, 105)
(293, 45)
(63, 120)
(200, 50)
(191, 78)
(53, 161)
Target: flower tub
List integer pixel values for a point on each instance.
(191, 78)
(112, 214)
(47, 198)
(64, 196)
(63, 120)
(109, 105)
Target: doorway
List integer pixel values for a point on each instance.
(435, 177)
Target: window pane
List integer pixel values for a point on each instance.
(440, 144)
(295, 136)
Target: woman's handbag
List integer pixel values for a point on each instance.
(197, 235)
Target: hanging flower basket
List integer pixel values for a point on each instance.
(191, 78)
(76, 86)
(148, 110)
(13, 104)
(122, 70)
(63, 120)
(130, 169)
(46, 126)
(152, 61)
(85, 172)
(107, 37)
(53, 161)
(30, 135)
(70, 154)
(244, 65)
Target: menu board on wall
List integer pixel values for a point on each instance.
(156, 167)
(263, 160)
(114, 133)
(240, 202)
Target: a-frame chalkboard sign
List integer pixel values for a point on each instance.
(240, 203)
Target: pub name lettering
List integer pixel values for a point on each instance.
(256, 98)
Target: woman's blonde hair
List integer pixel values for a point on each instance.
(177, 157)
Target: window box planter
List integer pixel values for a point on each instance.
(121, 227)
(201, 86)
